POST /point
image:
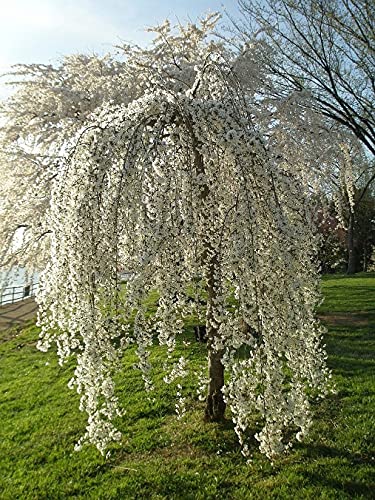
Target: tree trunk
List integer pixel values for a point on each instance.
(350, 243)
(215, 404)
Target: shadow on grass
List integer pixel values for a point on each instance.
(352, 488)
(318, 451)
(350, 342)
(332, 277)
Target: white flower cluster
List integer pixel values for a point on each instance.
(177, 185)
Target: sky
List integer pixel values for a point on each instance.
(41, 31)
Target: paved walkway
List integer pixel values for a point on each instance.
(17, 313)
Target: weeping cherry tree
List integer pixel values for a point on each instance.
(179, 187)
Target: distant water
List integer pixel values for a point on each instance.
(17, 277)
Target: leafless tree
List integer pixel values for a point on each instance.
(326, 48)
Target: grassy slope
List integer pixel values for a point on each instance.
(161, 457)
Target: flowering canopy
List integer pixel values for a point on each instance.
(178, 186)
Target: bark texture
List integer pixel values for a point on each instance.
(215, 404)
(352, 258)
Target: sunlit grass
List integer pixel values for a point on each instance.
(161, 457)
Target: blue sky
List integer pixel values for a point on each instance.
(43, 30)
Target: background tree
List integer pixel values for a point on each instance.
(324, 48)
(178, 185)
(344, 193)
(358, 212)
(322, 52)
(363, 233)
(332, 250)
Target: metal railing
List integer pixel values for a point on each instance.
(11, 294)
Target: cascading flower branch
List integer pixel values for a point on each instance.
(179, 188)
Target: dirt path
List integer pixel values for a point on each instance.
(17, 313)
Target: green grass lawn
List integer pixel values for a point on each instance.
(161, 457)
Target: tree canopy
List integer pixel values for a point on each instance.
(322, 53)
(163, 169)
(325, 49)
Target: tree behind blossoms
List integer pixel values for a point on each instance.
(157, 164)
